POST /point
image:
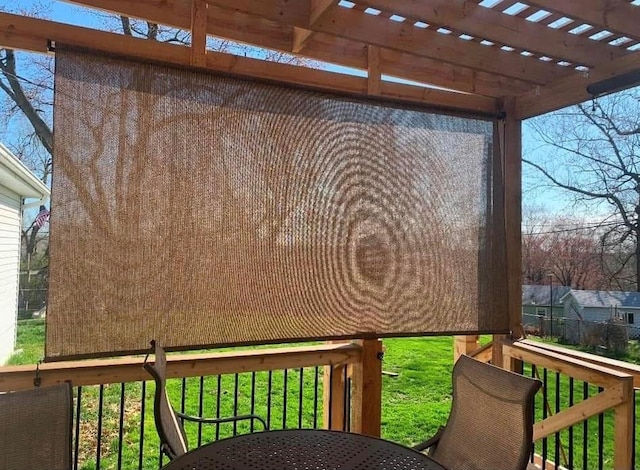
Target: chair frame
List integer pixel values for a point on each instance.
(157, 375)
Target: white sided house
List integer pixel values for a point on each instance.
(591, 306)
(17, 183)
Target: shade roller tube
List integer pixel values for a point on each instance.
(204, 210)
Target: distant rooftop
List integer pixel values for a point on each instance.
(599, 298)
(539, 295)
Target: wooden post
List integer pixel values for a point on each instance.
(373, 70)
(464, 345)
(333, 396)
(199, 32)
(366, 380)
(510, 144)
(623, 428)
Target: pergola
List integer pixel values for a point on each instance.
(501, 60)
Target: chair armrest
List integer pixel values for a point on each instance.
(431, 442)
(230, 419)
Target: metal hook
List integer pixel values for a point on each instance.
(37, 381)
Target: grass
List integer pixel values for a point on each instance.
(414, 403)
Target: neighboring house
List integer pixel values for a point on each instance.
(536, 301)
(601, 306)
(16, 184)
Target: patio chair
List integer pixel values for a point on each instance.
(35, 429)
(168, 421)
(491, 421)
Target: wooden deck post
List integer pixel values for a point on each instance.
(623, 428)
(465, 345)
(510, 144)
(366, 407)
(334, 396)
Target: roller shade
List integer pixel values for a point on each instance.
(204, 210)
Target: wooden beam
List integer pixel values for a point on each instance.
(571, 90)
(333, 397)
(19, 27)
(618, 16)
(356, 25)
(374, 77)
(466, 344)
(366, 380)
(512, 181)
(129, 369)
(199, 33)
(620, 366)
(624, 436)
(242, 27)
(581, 370)
(577, 413)
(301, 36)
(472, 19)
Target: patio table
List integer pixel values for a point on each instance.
(303, 449)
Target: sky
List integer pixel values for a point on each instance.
(547, 199)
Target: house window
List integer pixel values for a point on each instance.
(630, 318)
(541, 311)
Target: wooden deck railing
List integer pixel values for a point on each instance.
(612, 389)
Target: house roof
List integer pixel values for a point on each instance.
(18, 178)
(473, 54)
(598, 298)
(539, 295)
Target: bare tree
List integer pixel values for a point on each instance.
(592, 151)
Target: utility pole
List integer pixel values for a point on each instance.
(551, 305)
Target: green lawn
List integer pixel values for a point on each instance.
(415, 402)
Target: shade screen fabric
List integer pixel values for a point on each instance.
(205, 210)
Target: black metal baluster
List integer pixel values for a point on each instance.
(218, 406)
(235, 403)
(121, 425)
(556, 453)
(571, 401)
(285, 389)
(600, 437)
(143, 406)
(585, 430)
(269, 386)
(77, 431)
(253, 399)
(100, 413)
(534, 374)
(345, 400)
(301, 386)
(635, 429)
(315, 397)
(183, 398)
(200, 408)
(348, 407)
(330, 404)
(544, 415)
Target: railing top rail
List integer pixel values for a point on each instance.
(620, 366)
(559, 362)
(129, 369)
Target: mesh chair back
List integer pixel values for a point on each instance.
(35, 429)
(170, 431)
(491, 420)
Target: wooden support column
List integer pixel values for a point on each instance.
(301, 36)
(374, 75)
(623, 428)
(199, 33)
(333, 397)
(366, 380)
(510, 143)
(464, 345)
